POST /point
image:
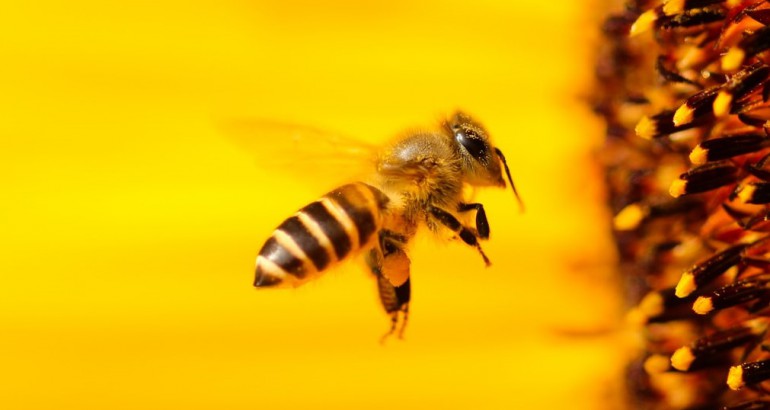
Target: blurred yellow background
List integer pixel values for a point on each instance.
(130, 222)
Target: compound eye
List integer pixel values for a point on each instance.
(472, 143)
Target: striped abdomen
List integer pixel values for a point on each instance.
(326, 231)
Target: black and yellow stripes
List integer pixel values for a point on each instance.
(328, 230)
(358, 204)
(331, 228)
(308, 244)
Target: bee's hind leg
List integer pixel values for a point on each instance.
(391, 266)
(395, 300)
(465, 233)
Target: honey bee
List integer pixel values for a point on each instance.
(418, 180)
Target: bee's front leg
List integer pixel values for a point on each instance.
(466, 234)
(482, 224)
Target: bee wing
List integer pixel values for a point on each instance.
(307, 153)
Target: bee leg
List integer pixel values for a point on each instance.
(482, 224)
(395, 300)
(390, 265)
(391, 242)
(406, 287)
(467, 235)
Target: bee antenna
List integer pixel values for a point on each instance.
(508, 173)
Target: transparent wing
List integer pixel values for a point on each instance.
(307, 153)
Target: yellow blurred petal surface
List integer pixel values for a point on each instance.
(130, 222)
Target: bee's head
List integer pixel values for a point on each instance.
(480, 160)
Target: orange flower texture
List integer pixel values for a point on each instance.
(684, 90)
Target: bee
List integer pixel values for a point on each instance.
(418, 180)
